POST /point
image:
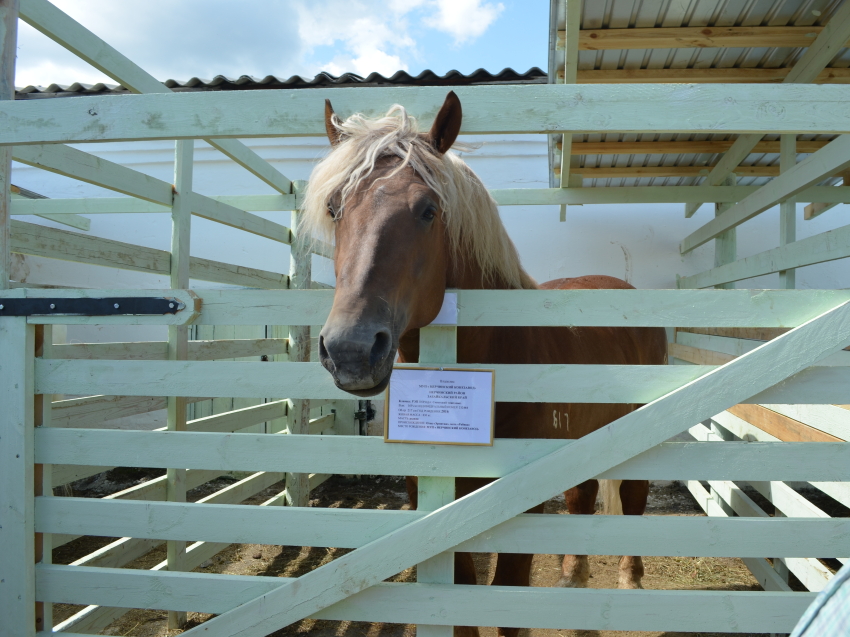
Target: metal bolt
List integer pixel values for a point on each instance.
(1, 306)
(115, 306)
(52, 306)
(171, 305)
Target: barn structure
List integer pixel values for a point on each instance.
(654, 104)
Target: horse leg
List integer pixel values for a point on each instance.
(514, 569)
(633, 494)
(581, 500)
(465, 574)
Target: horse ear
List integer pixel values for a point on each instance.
(446, 126)
(330, 128)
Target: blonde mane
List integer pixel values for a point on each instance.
(470, 214)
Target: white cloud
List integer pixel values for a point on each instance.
(184, 38)
(464, 19)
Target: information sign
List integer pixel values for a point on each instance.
(440, 406)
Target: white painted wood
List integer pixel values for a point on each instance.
(820, 248)
(86, 206)
(726, 243)
(91, 169)
(514, 383)
(38, 240)
(355, 455)
(158, 350)
(17, 534)
(738, 346)
(823, 50)
(490, 110)
(352, 528)
(827, 418)
(93, 411)
(639, 308)
(787, 208)
(554, 608)
(8, 53)
(829, 160)
(74, 221)
(504, 498)
(227, 215)
(60, 27)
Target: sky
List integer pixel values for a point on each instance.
(180, 39)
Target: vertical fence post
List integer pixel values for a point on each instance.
(571, 35)
(787, 208)
(8, 50)
(726, 243)
(298, 484)
(43, 474)
(17, 492)
(437, 344)
(178, 337)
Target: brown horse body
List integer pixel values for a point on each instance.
(395, 257)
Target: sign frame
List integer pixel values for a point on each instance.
(443, 368)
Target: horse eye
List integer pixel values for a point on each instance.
(332, 212)
(429, 214)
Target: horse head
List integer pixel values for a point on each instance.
(382, 189)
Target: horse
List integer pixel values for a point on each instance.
(410, 219)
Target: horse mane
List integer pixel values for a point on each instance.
(470, 214)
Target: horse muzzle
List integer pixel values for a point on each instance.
(359, 358)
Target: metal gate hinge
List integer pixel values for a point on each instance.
(115, 306)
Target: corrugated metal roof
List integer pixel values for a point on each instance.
(323, 80)
(659, 14)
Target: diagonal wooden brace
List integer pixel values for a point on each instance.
(507, 497)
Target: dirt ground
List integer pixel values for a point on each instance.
(666, 498)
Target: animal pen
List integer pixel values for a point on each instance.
(761, 370)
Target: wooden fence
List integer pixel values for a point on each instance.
(801, 375)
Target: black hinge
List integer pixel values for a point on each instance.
(117, 306)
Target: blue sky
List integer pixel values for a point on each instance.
(285, 37)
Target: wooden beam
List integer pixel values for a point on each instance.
(603, 108)
(58, 26)
(682, 147)
(158, 350)
(695, 37)
(91, 169)
(816, 209)
(833, 158)
(72, 220)
(41, 241)
(780, 426)
(644, 172)
(826, 246)
(705, 76)
(808, 69)
(8, 53)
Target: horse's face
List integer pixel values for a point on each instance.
(391, 263)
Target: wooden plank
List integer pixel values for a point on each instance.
(605, 609)
(780, 426)
(830, 419)
(696, 37)
(17, 534)
(696, 348)
(353, 528)
(698, 356)
(240, 418)
(8, 53)
(227, 215)
(649, 172)
(70, 162)
(491, 110)
(64, 30)
(309, 454)
(682, 147)
(86, 206)
(74, 221)
(92, 411)
(157, 350)
(820, 248)
(514, 383)
(751, 333)
(827, 161)
(41, 241)
(752, 75)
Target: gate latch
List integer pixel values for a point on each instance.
(116, 306)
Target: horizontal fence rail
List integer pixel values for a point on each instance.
(514, 383)
(352, 528)
(369, 454)
(552, 108)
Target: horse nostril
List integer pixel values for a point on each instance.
(323, 353)
(381, 347)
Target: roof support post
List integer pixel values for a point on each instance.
(822, 51)
(178, 339)
(573, 23)
(787, 209)
(726, 243)
(8, 51)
